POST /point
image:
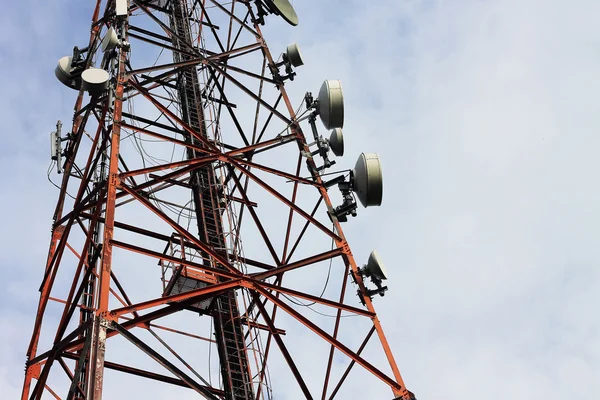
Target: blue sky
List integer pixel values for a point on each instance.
(485, 114)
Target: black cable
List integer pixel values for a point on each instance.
(50, 169)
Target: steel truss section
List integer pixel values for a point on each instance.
(189, 193)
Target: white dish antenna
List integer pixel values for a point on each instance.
(293, 55)
(284, 9)
(368, 180)
(375, 266)
(331, 104)
(64, 73)
(111, 40)
(336, 142)
(95, 81)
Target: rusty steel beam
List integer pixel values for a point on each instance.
(283, 349)
(198, 294)
(146, 374)
(338, 305)
(164, 362)
(261, 276)
(347, 371)
(338, 318)
(338, 345)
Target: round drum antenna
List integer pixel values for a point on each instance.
(95, 81)
(368, 180)
(336, 142)
(331, 104)
(64, 73)
(293, 55)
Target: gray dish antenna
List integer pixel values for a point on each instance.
(95, 81)
(336, 142)
(293, 55)
(284, 9)
(331, 104)
(368, 179)
(64, 73)
(375, 266)
(111, 40)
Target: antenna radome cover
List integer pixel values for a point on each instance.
(111, 40)
(375, 266)
(64, 75)
(294, 55)
(368, 179)
(331, 104)
(285, 10)
(336, 142)
(95, 80)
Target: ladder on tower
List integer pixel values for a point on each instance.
(229, 334)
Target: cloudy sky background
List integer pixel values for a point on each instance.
(485, 114)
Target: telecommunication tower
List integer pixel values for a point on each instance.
(189, 192)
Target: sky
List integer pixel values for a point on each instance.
(484, 114)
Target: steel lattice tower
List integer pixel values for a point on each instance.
(189, 192)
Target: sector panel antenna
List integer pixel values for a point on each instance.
(331, 104)
(375, 266)
(368, 179)
(285, 10)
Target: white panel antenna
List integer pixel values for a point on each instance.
(121, 8)
(56, 147)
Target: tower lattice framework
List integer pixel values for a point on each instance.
(194, 242)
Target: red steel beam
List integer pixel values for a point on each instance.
(199, 294)
(347, 371)
(183, 232)
(339, 305)
(341, 347)
(297, 264)
(98, 348)
(284, 351)
(145, 374)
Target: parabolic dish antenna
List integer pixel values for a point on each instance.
(111, 40)
(95, 80)
(375, 266)
(336, 142)
(294, 56)
(63, 72)
(368, 179)
(284, 9)
(331, 104)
